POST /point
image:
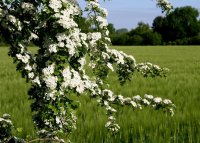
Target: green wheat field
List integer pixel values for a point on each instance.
(182, 86)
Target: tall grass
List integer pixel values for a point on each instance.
(140, 126)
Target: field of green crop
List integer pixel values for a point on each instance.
(182, 86)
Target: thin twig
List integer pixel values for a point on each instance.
(45, 139)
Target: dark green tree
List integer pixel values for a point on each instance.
(121, 31)
(144, 35)
(111, 29)
(178, 26)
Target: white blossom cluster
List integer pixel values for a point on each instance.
(137, 102)
(165, 5)
(6, 119)
(148, 69)
(11, 19)
(55, 5)
(73, 80)
(25, 58)
(27, 6)
(93, 38)
(58, 68)
(6, 126)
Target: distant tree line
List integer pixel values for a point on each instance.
(180, 27)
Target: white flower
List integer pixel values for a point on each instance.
(171, 111)
(12, 19)
(157, 100)
(110, 95)
(52, 48)
(80, 88)
(127, 100)
(145, 102)
(94, 36)
(46, 122)
(24, 58)
(83, 36)
(30, 75)
(92, 65)
(105, 103)
(51, 82)
(150, 97)
(119, 57)
(55, 5)
(61, 44)
(58, 120)
(28, 67)
(27, 6)
(132, 58)
(93, 4)
(71, 46)
(82, 62)
(65, 20)
(108, 124)
(133, 104)
(1, 119)
(33, 36)
(107, 34)
(137, 98)
(6, 116)
(48, 70)
(167, 101)
(102, 21)
(42, 131)
(120, 98)
(109, 65)
(105, 55)
(67, 74)
(104, 11)
(51, 95)
(61, 37)
(72, 79)
(22, 49)
(36, 80)
(110, 109)
(112, 118)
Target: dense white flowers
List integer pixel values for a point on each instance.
(149, 97)
(28, 67)
(24, 58)
(82, 62)
(94, 37)
(165, 5)
(53, 48)
(48, 70)
(5, 120)
(6, 126)
(51, 82)
(157, 100)
(31, 75)
(33, 36)
(109, 65)
(57, 70)
(55, 5)
(134, 104)
(12, 19)
(102, 22)
(167, 101)
(118, 57)
(36, 81)
(27, 6)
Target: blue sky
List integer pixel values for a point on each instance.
(127, 13)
